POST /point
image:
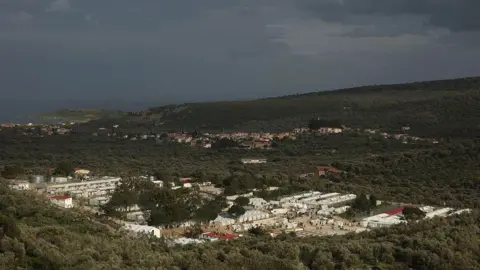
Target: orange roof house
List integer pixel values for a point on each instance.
(324, 170)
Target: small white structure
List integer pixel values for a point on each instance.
(274, 204)
(442, 212)
(458, 212)
(253, 215)
(301, 197)
(242, 227)
(141, 229)
(381, 220)
(207, 145)
(327, 130)
(223, 221)
(186, 182)
(295, 205)
(186, 241)
(427, 209)
(291, 225)
(234, 197)
(339, 223)
(211, 190)
(325, 211)
(63, 201)
(137, 216)
(258, 202)
(332, 201)
(279, 211)
(58, 179)
(158, 183)
(253, 160)
(341, 210)
(131, 208)
(20, 185)
(82, 173)
(188, 223)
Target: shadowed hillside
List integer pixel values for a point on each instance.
(444, 108)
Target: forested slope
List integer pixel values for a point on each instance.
(423, 172)
(437, 108)
(36, 235)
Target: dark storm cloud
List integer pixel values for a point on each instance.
(194, 49)
(16, 17)
(164, 51)
(454, 15)
(59, 6)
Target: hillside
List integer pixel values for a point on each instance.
(445, 108)
(40, 236)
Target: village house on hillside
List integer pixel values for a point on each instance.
(323, 126)
(328, 170)
(19, 185)
(63, 201)
(330, 130)
(253, 160)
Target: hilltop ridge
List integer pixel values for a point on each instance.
(430, 108)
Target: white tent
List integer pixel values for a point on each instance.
(141, 229)
(252, 215)
(223, 221)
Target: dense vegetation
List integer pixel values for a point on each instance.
(416, 172)
(35, 235)
(165, 206)
(446, 108)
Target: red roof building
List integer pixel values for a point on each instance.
(322, 170)
(63, 201)
(185, 179)
(394, 211)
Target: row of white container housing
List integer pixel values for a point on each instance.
(381, 220)
(314, 199)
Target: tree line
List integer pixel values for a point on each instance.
(37, 235)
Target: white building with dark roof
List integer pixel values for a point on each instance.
(97, 187)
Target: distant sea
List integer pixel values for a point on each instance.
(14, 111)
(17, 111)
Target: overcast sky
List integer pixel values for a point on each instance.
(191, 50)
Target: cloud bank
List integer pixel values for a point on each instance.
(222, 49)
